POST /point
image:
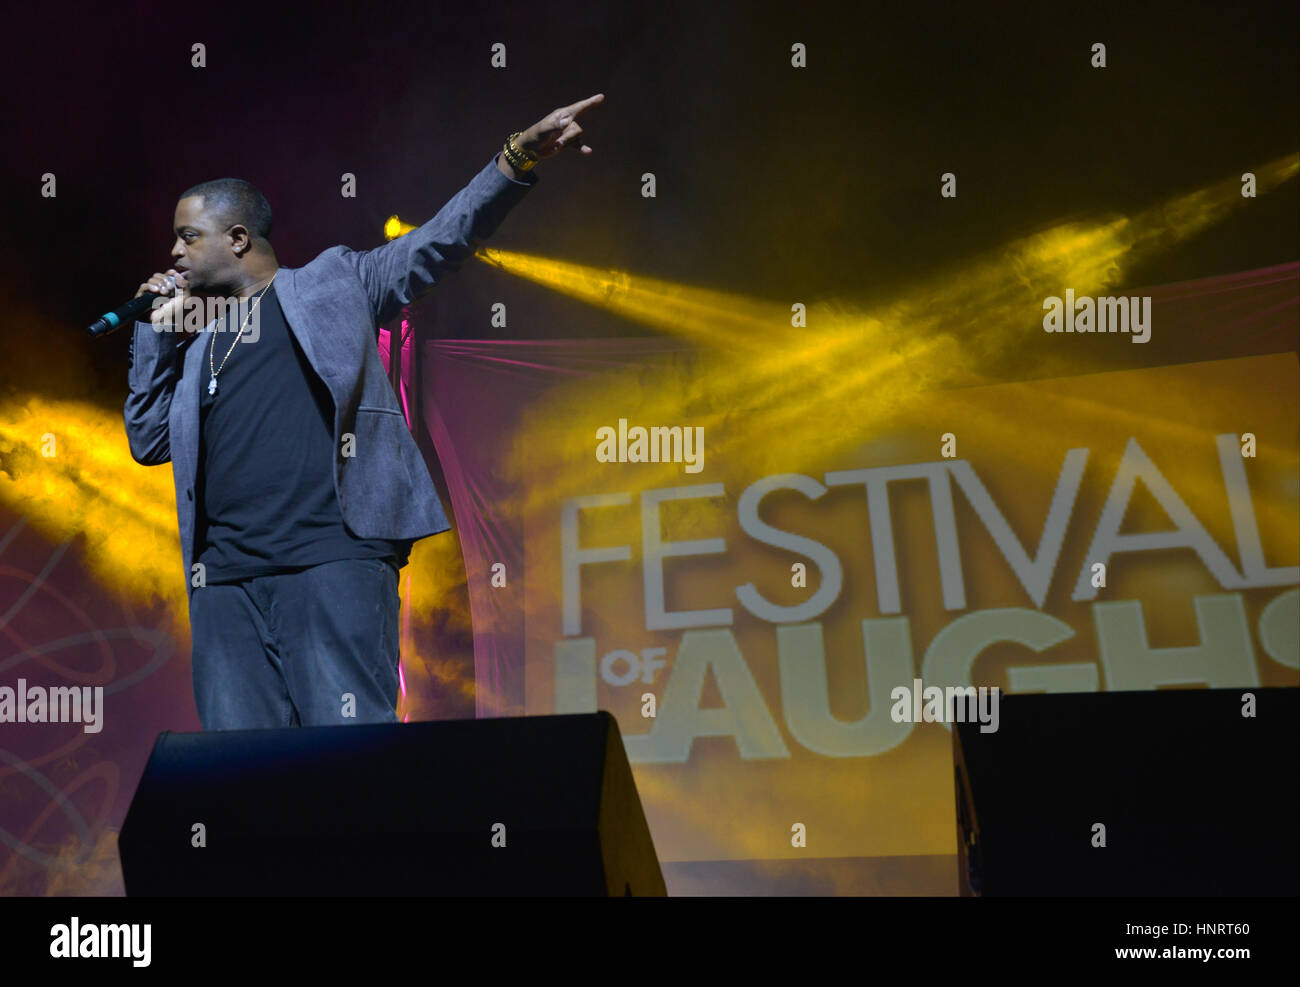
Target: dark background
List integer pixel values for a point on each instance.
(773, 182)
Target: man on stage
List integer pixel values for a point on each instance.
(299, 489)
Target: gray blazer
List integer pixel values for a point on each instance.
(334, 307)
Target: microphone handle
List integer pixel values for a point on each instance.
(120, 316)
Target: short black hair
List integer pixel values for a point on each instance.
(235, 201)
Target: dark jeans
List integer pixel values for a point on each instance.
(317, 647)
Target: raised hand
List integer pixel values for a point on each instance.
(558, 129)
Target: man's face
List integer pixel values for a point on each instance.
(202, 249)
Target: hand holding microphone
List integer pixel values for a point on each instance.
(171, 283)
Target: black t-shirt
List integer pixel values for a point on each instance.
(267, 501)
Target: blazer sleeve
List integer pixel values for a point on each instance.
(404, 269)
(156, 363)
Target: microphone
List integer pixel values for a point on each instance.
(114, 320)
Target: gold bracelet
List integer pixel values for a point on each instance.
(522, 160)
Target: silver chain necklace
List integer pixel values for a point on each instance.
(212, 382)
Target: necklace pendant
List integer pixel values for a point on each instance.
(212, 385)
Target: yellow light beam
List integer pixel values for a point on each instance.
(849, 371)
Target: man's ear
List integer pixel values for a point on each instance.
(241, 241)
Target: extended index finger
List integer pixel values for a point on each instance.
(582, 104)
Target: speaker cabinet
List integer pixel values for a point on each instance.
(538, 805)
(1190, 796)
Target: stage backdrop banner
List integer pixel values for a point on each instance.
(746, 610)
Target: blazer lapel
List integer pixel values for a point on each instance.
(188, 418)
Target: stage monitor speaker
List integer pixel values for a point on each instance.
(1190, 796)
(536, 805)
